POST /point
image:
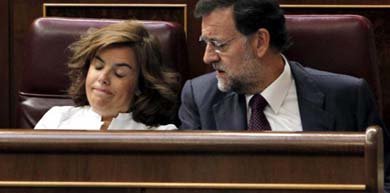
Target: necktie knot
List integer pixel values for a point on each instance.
(258, 102)
(258, 121)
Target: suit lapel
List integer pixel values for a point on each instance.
(311, 102)
(230, 112)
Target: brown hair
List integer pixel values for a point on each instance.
(156, 101)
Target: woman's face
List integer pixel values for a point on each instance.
(112, 80)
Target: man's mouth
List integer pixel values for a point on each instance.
(218, 69)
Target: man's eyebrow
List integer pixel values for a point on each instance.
(208, 38)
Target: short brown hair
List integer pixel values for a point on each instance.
(157, 100)
(251, 15)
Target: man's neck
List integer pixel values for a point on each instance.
(274, 66)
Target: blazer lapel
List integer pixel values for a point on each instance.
(311, 102)
(230, 112)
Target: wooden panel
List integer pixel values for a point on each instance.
(190, 161)
(189, 168)
(4, 65)
(336, 2)
(164, 12)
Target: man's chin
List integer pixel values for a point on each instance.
(223, 86)
(231, 86)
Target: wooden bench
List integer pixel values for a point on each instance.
(190, 161)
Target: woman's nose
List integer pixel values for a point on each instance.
(104, 78)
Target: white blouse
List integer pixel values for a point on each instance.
(84, 118)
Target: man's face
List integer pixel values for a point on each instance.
(229, 52)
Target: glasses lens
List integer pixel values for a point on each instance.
(216, 45)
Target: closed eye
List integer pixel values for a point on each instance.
(98, 63)
(98, 66)
(218, 44)
(122, 69)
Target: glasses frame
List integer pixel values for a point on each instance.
(217, 45)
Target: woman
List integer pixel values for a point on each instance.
(117, 82)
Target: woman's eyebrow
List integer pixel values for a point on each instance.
(122, 64)
(100, 59)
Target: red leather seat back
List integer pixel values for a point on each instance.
(336, 43)
(45, 81)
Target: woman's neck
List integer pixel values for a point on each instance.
(106, 122)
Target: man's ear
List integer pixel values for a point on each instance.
(261, 42)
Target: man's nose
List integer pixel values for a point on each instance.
(210, 56)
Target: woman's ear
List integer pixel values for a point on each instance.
(261, 42)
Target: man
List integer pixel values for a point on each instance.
(244, 41)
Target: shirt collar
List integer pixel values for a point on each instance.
(277, 91)
(119, 116)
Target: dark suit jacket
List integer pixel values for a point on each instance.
(327, 102)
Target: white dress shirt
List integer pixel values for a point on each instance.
(84, 118)
(282, 111)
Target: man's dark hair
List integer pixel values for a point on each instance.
(251, 15)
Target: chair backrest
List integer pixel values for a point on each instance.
(45, 78)
(336, 43)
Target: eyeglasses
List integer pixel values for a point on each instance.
(218, 46)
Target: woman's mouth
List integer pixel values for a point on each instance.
(102, 91)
